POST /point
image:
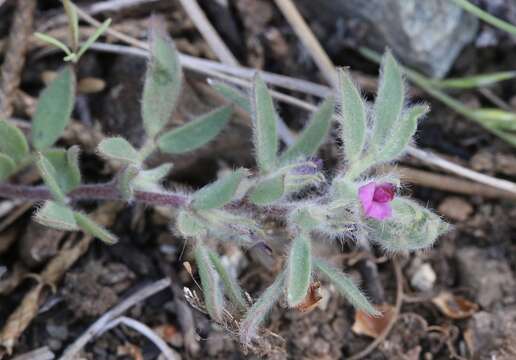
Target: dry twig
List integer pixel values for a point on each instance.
(306, 35)
(208, 32)
(98, 326)
(53, 272)
(143, 329)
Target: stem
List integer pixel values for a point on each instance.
(92, 192)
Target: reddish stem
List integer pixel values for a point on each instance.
(91, 192)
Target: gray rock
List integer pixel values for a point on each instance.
(491, 278)
(427, 35)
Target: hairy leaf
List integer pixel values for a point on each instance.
(118, 148)
(66, 167)
(389, 101)
(346, 287)
(92, 228)
(313, 134)
(13, 142)
(196, 133)
(7, 166)
(232, 94)
(189, 225)
(299, 269)
(267, 191)
(54, 109)
(162, 82)
(257, 313)
(210, 283)
(265, 126)
(125, 182)
(353, 118)
(149, 180)
(402, 135)
(231, 286)
(56, 216)
(51, 178)
(412, 227)
(220, 192)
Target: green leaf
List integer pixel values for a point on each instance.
(353, 118)
(162, 82)
(346, 287)
(231, 286)
(495, 118)
(86, 45)
(150, 180)
(411, 227)
(54, 42)
(299, 270)
(195, 133)
(54, 109)
(313, 134)
(210, 284)
(13, 142)
(7, 166)
(56, 216)
(125, 182)
(389, 101)
(257, 313)
(267, 191)
(51, 178)
(219, 193)
(189, 225)
(90, 227)
(402, 135)
(118, 148)
(233, 95)
(265, 126)
(474, 81)
(73, 22)
(65, 165)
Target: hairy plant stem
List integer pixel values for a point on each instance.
(107, 191)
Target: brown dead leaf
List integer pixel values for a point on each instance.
(20, 318)
(371, 326)
(312, 298)
(131, 350)
(454, 306)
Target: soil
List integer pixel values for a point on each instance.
(476, 260)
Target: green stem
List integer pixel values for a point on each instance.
(488, 18)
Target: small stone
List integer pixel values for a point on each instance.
(455, 208)
(215, 343)
(57, 331)
(491, 278)
(424, 278)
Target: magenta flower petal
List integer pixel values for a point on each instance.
(379, 211)
(365, 194)
(384, 193)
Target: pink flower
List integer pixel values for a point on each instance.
(376, 198)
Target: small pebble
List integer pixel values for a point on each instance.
(424, 278)
(455, 208)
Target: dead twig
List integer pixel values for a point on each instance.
(20, 31)
(308, 38)
(143, 329)
(396, 312)
(98, 326)
(53, 272)
(208, 32)
(450, 183)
